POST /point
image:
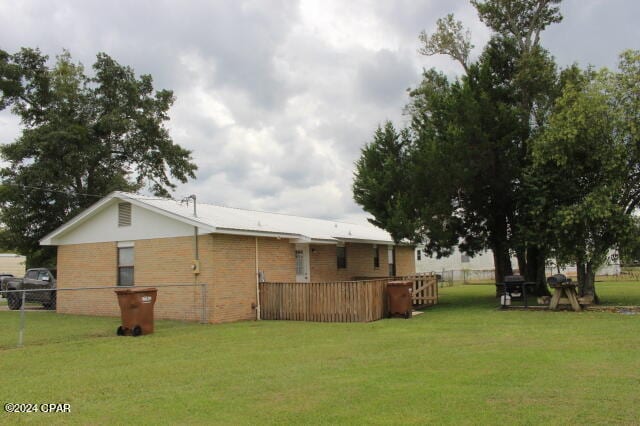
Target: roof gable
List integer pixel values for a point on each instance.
(227, 220)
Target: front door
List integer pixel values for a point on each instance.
(302, 263)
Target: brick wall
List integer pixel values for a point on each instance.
(234, 279)
(157, 261)
(323, 259)
(168, 261)
(227, 265)
(405, 260)
(87, 265)
(277, 259)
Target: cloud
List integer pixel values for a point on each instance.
(276, 97)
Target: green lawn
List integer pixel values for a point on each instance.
(461, 362)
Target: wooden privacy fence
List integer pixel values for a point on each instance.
(344, 301)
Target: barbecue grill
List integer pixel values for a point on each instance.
(514, 287)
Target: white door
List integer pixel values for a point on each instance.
(302, 263)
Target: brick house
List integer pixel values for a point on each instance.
(128, 239)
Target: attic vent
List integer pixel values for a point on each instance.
(124, 214)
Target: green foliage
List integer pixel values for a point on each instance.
(450, 38)
(522, 20)
(380, 180)
(83, 137)
(586, 165)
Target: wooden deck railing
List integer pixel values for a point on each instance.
(343, 301)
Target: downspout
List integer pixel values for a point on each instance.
(257, 284)
(196, 272)
(196, 264)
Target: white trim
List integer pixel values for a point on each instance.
(254, 233)
(306, 240)
(123, 244)
(363, 241)
(47, 240)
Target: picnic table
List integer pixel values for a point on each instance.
(565, 293)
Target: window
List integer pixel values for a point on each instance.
(342, 257)
(418, 254)
(125, 266)
(124, 214)
(464, 258)
(376, 257)
(32, 275)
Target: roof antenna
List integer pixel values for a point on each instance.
(186, 200)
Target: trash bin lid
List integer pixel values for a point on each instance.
(136, 290)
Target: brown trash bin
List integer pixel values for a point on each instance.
(399, 298)
(136, 310)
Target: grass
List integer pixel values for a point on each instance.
(461, 362)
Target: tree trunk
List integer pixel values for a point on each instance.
(587, 280)
(535, 271)
(502, 262)
(500, 247)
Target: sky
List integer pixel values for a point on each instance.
(275, 98)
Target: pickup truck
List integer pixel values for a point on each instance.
(34, 279)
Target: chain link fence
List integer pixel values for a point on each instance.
(451, 277)
(31, 316)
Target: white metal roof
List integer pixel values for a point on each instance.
(228, 220)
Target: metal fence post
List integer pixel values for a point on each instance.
(21, 332)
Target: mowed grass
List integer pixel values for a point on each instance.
(461, 362)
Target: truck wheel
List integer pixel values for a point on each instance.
(120, 331)
(136, 331)
(14, 301)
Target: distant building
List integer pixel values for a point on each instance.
(13, 264)
(481, 266)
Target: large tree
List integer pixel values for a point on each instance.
(472, 135)
(82, 137)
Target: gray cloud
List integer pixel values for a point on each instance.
(275, 97)
(383, 77)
